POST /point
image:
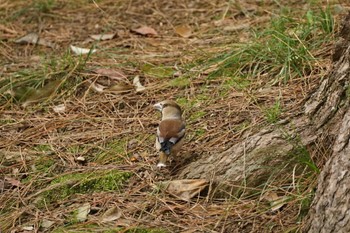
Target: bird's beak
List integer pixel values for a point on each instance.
(158, 106)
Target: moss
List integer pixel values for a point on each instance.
(347, 91)
(44, 163)
(200, 132)
(83, 227)
(197, 115)
(83, 183)
(158, 71)
(180, 82)
(145, 230)
(114, 151)
(184, 102)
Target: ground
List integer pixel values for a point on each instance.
(75, 132)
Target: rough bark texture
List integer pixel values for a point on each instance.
(325, 120)
(331, 208)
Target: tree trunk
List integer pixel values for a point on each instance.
(324, 123)
(330, 211)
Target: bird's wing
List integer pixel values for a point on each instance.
(169, 132)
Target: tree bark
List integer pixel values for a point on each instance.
(324, 122)
(330, 211)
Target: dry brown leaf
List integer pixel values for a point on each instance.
(97, 87)
(145, 31)
(276, 202)
(279, 203)
(46, 223)
(111, 80)
(138, 86)
(31, 95)
(120, 87)
(80, 51)
(60, 108)
(111, 73)
(80, 159)
(185, 189)
(33, 38)
(13, 182)
(183, 30)
(28, 228)
(82, 212)
(270, 196)
(103, 36)
(111, 214)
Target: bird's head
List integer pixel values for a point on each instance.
(168, 108)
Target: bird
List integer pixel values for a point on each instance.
(170, 132)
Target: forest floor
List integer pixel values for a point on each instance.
(77, 130)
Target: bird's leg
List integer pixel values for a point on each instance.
(162, 159)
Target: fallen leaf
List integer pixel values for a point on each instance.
(120, 87)
(80, 51)
(111, 214)
(46, 223)
(13, 182)
(138, 86)
(185, 189)
(97, 87)
(111, 80)
(28, 228)
(279, 203)
(111, 73)
(158, 71)
(33, 38)
(276, 202)
(59, 108)
(82, 212)
(270, 196)
(103, 36)
(80, 159)
(183, 30)
(29, 95)
(145, 31)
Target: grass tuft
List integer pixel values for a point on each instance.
(284, 51)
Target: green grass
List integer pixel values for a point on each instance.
(157, 71)
(114, 151)
(57, 76)
(44, 6)
(272, 114)
(180, 82)
(67, 185)
(282, 52)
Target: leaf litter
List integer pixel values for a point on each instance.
(103, 36)
(98, 127)
(145, 31)
(81, 51)
(33, 38)
(183, 30)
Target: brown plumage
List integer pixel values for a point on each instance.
(170, 132)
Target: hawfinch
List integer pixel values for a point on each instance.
(170, 132)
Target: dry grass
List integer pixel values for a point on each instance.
(115, 132)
